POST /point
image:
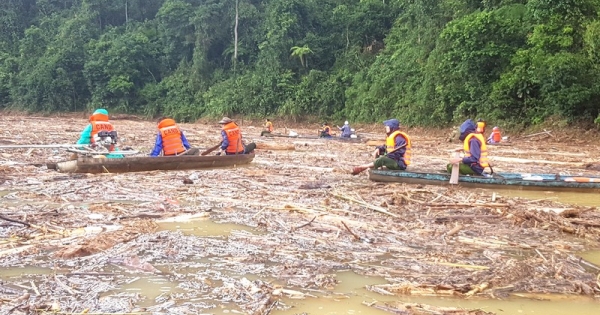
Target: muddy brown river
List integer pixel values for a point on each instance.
(291, 233)
(347, 298)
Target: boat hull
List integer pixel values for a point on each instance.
(352, 140)
(144, 164)
(499, 181)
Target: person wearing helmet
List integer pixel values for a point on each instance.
(325, 131)
(345, 129)
(495, 136)
(475, 149)
(98, 122)
(395, 154)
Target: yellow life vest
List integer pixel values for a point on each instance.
(483, 158)
(390, 144)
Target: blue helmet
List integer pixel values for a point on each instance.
(394, 124)
(466, 128)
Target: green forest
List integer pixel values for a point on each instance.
(425, 62)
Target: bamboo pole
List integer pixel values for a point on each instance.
(366, 205)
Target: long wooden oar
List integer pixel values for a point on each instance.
(40, 146)
(211, 149)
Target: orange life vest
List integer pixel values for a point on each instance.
(99, 117)
(390, 143)
(171, 137)
(98, 126)
(483, 158)
(327, 130)
(496, 136)
(269, 126)
(234, 135)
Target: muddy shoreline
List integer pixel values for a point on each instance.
(302, 219)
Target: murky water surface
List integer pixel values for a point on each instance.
(348, 296)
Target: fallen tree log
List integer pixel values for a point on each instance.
(274, 146)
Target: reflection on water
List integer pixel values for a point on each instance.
(574, 198)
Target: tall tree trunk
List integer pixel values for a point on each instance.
(235, 32)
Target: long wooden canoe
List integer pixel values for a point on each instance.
(147, 163)
(498, 180)
(317, 138)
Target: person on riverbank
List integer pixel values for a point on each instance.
(476, 157)
(232, 143)
(268, 128)
(325, 131)
(345, 129)
(495, 137)
(395, 154)
(170, 140)
(98, 122)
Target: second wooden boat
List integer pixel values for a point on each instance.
(498, 180)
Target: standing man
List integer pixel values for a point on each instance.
(170, 140)
(395, 154)
(268, 128)
(232, 139)
(98, 122)
(476, 156)
(346, 130)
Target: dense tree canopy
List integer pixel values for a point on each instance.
(426, 62)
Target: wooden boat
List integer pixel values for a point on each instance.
(147, 163)
(353, 140)
(497, 180)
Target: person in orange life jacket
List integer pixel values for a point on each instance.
(395, 154)
(170, 140)
(476, 158)
(268, 128)
(98, 122)
(232, 139)
(325, 132)
(495, 136)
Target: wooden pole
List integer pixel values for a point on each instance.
(39, 146)
(455, 169)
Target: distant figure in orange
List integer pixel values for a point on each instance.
(495, 136)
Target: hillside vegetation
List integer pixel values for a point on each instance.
(426, 62)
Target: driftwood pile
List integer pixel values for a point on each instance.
(89, 236)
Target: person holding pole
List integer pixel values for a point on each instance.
(395, 154)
